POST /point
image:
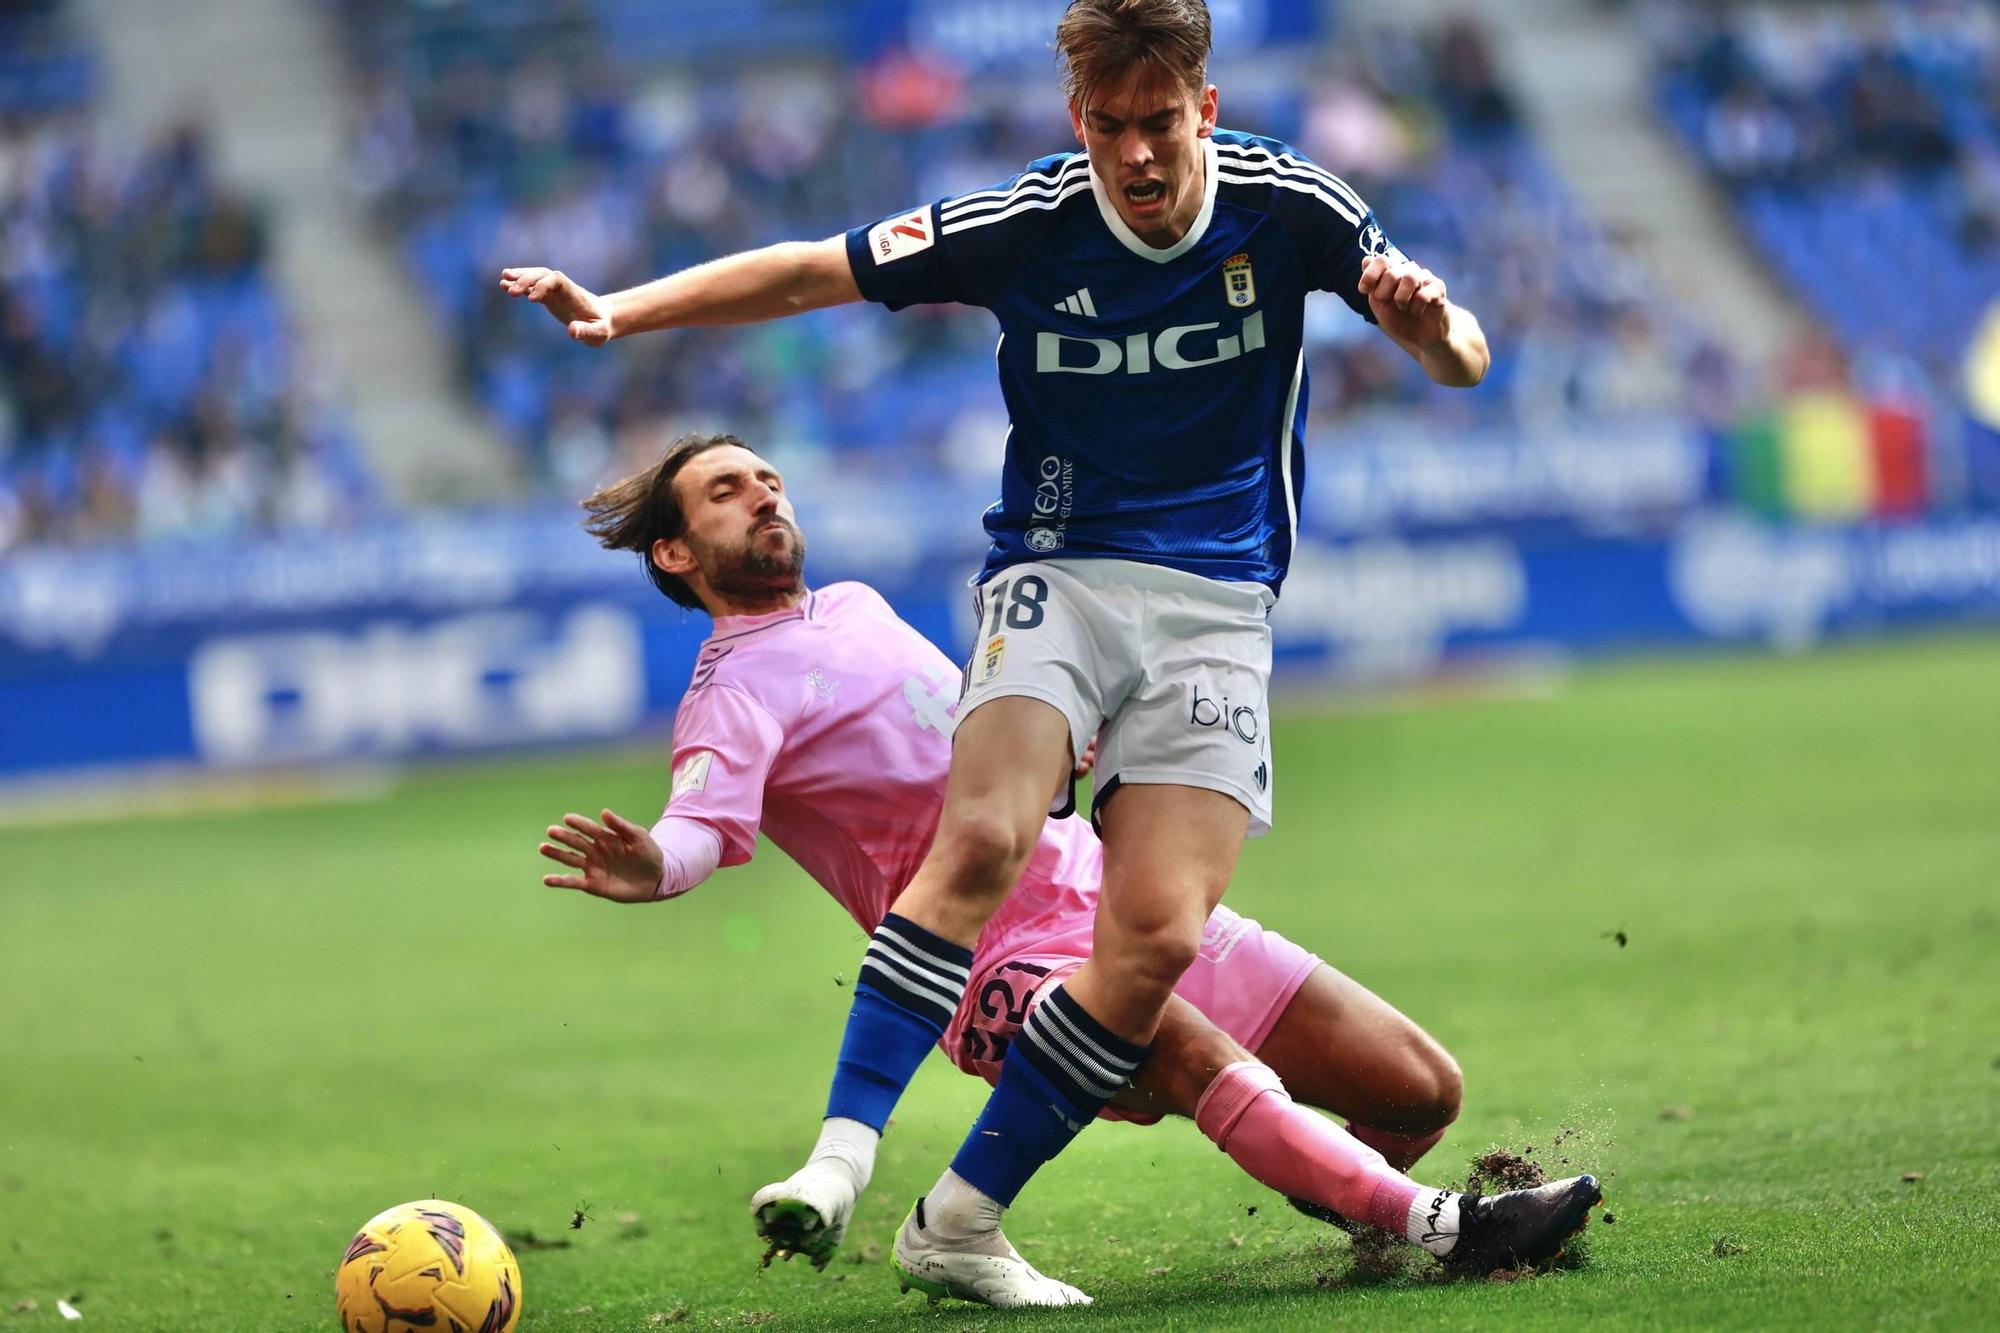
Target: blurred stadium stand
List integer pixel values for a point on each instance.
(1861, 145)
(267, 82)
(1641, 469)
(150, 382)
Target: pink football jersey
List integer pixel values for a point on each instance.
(827, 727)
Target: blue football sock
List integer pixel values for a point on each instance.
(910, 984)
(1058, 1074)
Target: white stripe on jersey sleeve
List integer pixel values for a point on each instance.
(1254, 156)
(1024, 206)
(1269, 176)
(1047, 176)
(1018, 196)
(1022, 187)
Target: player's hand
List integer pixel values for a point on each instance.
(586, 314)
(616, 859)
(1087, 760)
(1408, 300)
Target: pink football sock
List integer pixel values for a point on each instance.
(1295, 1151)
(1403, 1151)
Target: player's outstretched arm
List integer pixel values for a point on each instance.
(615, 859)
(783, 279)
(1410, 305)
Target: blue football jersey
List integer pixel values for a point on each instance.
(1157, 398)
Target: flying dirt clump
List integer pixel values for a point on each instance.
(1498, 1171)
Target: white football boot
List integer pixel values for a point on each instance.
(805, 1213)
(982, 1268)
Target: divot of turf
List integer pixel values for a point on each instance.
(1376, 1256)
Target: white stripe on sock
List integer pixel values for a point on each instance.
(898, 976)
(908, 947)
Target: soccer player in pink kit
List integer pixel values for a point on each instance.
(822, 720)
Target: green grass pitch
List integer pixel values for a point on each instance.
(227, 1039)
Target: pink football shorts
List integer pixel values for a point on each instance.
(1241, 980)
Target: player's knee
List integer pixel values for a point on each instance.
(1436, 1085)
(984, 851)
(1152, 952)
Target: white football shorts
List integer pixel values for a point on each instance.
(1169, 671)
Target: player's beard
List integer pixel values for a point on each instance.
(757, 569)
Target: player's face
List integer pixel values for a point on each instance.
(1143, 131)
(741, 537)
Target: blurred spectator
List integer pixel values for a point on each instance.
(1750, 137)
(1468, 87)
(1891, 121)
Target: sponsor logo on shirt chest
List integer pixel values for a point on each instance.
(1182, 347)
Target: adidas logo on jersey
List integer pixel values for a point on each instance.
(1177, 348)
(1078, 302)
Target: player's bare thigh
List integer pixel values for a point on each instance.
(1343, 1048)
(1169, 852)
(1009, 757)
(1337, 1046)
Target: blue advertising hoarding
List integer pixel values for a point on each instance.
(455, 635)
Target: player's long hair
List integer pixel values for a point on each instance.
(633, 513)
(1099, 40)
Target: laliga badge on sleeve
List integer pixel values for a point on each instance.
(692, 775)
(1239, 281)
(898, 237)
(989, 667)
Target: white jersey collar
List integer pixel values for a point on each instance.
(1130, 239)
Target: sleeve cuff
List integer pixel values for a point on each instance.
(690, 851)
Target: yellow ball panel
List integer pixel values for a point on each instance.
(429, 1264)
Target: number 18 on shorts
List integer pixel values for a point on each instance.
(1169, 672)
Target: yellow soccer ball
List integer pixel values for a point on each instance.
(428, 1264)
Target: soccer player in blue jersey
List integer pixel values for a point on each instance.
(1150, 292)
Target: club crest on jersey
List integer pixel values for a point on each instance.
(989, 661)
(1239, 281)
